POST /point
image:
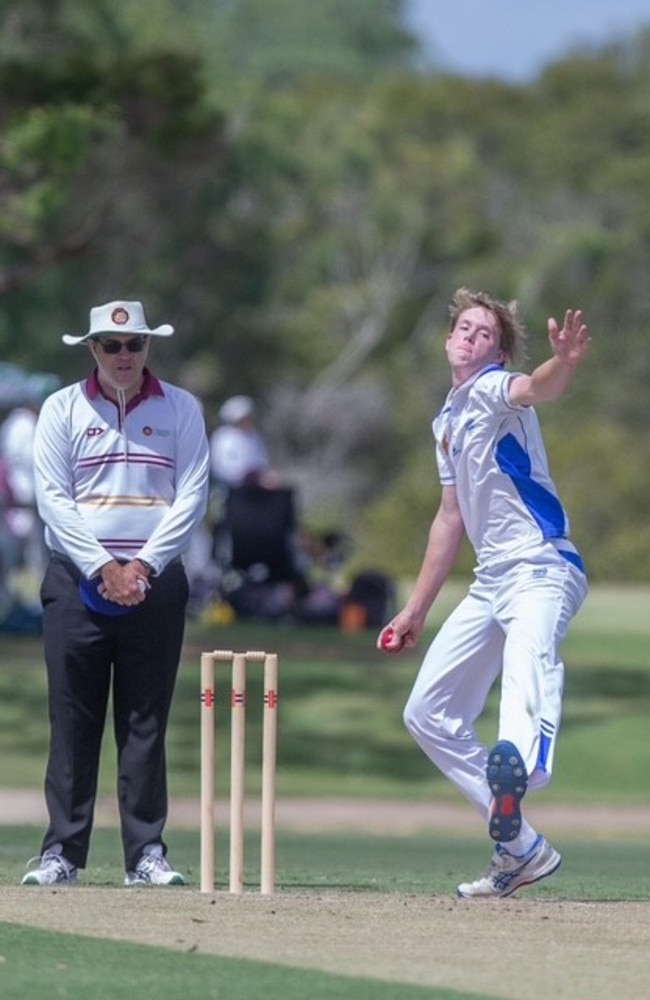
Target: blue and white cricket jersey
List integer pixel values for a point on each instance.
(493, 453)
(529, 584)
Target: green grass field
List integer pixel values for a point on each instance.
(340, 734)
(427, 863)
(40, 964)
(341, 730)
(35, 964)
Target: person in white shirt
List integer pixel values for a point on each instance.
(529, 582)
(121, 468)
(25, 549)
(238, 452)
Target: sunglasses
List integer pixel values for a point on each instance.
(133, 346)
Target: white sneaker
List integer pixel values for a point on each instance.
(53, 869)
(153, 869)
(506, 873)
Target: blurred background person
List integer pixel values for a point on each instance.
(238, 451)
(22, 546)
(239, 457)
(21, 518)
(254, 519)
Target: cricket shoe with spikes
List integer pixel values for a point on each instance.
(508, 781)
(506, 873)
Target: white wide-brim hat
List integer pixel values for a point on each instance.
(236, 408)
(118, 318)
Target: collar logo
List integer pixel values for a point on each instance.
(120, 316)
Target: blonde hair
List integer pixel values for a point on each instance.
(512, 331)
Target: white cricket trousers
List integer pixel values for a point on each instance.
(512, 622)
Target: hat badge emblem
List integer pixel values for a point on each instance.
(120, 316)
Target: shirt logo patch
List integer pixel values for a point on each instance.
(537, 573)
(149, 431)
(94, 432)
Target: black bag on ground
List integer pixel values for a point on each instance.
(375, 592)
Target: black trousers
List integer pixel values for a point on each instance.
(87, 655)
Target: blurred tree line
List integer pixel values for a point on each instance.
(288, 185)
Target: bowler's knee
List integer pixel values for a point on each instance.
(411, 715)
(420, 719)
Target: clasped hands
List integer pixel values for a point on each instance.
(124, 583)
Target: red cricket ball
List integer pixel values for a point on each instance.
(387, 641)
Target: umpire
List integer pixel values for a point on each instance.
(121, 464)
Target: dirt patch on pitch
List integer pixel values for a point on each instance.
(515, 949)
(518, 949)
